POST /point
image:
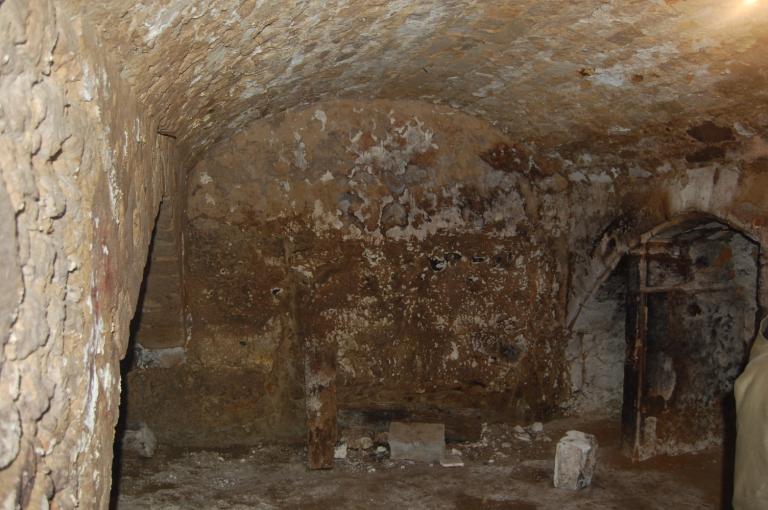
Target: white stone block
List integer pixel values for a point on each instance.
(340, 451)
(417, 441)
(575, 460)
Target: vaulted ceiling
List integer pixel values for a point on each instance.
(592, 74)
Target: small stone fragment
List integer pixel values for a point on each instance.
(417, 441)
(451, 460)
(340, 451)
(357, 439)
(139, 439)
(537, 427)
(521, 434)
(364, 443)
(575, 460)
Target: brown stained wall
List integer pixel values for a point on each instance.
(441, 261)
(400, 234)
(82, 172)
(613, 131)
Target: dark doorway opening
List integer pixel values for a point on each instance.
(664, 336)
(691, 313)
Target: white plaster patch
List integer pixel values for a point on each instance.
(611, 77)
(251, 89)
(90, 406)
(743, 130)
(325, 220)
(161, 21)
(88, 90)
(160, 358)
(601, 178)
(454, 352)
(320, 115)
(300, 154)
(577, 177)
(639, 173)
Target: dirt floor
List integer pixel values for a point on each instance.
(501, 471)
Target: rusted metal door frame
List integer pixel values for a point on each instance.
(634, 366)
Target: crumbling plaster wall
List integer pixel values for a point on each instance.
(400, 234)
(82, 173)
(429, 249)
(443, 261)
(628, 203)
(697, 342)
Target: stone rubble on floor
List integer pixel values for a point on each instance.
(357, 439)
(425, 442)
(452, 458)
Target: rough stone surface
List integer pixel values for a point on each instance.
(159, 321)
(379, 193)
(575, 460)
(290, 265)
(464, 307)
(81, 174)
(622, 72)
(424, 442)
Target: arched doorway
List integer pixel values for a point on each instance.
(665, 331)
(691, 312)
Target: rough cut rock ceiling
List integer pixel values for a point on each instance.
(551, 73)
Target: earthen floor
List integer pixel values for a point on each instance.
(500, 472)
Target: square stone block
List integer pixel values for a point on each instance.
(575, 460)
(417, 441)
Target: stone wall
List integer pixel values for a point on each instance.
(444, 264)
(158, 327)
(444, 261)
(82, 173)
(407, 237)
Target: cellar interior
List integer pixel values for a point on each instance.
(246, 243)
